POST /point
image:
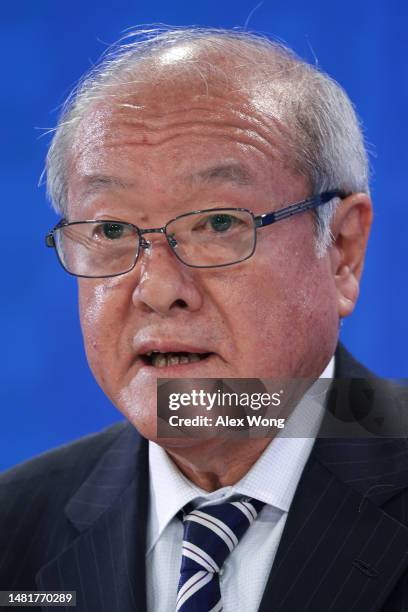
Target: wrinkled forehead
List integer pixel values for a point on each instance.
(186, 78)
(168, 99)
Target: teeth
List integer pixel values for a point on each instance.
(194, 357)
(161, 360)
(173, 360)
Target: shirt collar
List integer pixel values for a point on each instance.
(281, 463)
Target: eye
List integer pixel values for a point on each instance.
(221, 222)
(109, 231)
(112, 231)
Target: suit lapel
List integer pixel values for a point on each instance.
(340, 550)
(110, 513)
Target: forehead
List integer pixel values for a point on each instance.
(182, 86)
(110, 126)
(177, 125)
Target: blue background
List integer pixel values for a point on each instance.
(48, 395)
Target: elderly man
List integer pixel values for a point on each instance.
(216, 210)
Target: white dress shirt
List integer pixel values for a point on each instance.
(273, 479)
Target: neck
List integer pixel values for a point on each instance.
(217, 463)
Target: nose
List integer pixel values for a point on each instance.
(165, 285)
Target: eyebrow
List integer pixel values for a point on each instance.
(229, 172)
(99, 182)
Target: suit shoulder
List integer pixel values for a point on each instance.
(78, 456)
(348, 367)
(34, 526)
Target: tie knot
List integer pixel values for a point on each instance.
(212, 533)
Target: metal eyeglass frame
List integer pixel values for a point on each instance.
(259, 222)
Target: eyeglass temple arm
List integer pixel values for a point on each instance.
(294, 209)
(49, 238)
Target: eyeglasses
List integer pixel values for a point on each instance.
(210, 238)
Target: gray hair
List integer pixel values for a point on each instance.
(326, 143)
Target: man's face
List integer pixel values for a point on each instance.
(274, 315)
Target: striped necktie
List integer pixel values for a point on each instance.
(210, 535)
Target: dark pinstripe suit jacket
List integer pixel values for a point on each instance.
(75, 519)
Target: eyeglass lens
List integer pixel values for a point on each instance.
(213, 238)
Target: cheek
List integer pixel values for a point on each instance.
(99, 309)
(282, 313)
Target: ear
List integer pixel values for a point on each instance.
(350, 229)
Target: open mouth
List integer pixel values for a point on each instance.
(163, 360)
